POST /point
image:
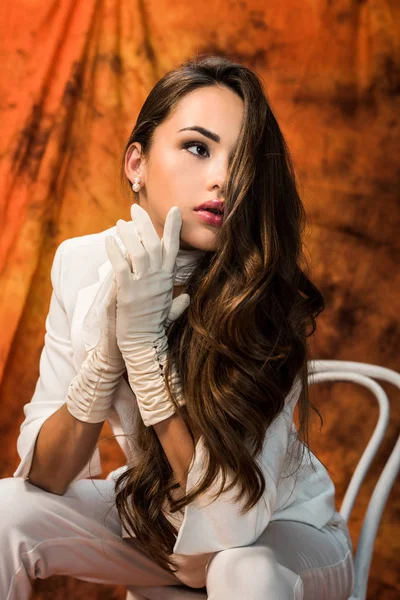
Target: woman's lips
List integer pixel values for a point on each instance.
(210, 218)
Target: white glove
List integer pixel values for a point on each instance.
(90, 393)
(145, 279)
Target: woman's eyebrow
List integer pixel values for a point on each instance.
(206, 132)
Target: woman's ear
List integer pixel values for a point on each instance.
(134, 162)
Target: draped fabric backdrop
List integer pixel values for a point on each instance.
(74, 75)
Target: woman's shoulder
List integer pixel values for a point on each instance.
(85, 251)
(83, 243)
(77, 262)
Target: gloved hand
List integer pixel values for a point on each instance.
(90, 393)
(145, 279)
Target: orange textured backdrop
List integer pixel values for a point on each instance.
(74, 75)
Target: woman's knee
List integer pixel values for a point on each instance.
(20, 504)
(250, 572)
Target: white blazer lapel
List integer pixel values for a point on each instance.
(85, 325)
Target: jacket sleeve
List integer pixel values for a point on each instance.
(56, 371)
(213, 525)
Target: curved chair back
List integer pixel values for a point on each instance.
(364, 374)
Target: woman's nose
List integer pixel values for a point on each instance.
(217, 175)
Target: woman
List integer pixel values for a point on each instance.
(187, 331)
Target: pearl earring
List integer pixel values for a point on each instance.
(136, 184)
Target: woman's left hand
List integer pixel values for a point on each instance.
(145, 280)
(145, 277)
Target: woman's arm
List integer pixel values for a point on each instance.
(174, 437)
(178, 446)
(54, 447)
(63, 447)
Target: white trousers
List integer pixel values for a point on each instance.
(79, 534)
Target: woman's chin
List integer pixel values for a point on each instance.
(205, 242)
(202, 247)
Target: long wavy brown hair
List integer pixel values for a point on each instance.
(241, 342)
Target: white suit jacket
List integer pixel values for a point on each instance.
(80, 265)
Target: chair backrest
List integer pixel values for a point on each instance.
(364, 374)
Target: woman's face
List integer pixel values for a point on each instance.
(186, 168)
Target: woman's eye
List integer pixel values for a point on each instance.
(197, 145)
